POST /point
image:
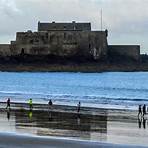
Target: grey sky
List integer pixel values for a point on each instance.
(126, 20)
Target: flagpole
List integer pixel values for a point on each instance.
(101, 21)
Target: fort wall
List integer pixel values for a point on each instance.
(61, 43)
(131, 51)
(5, 50)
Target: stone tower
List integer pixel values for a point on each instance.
(62, 40)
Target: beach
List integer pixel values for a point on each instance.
(17, 141)
(61, 124)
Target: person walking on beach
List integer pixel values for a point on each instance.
(79, 107)
(50, 105)
(139, 110)
(8, 103)
(30, 104)
(50, 102)
(49, 109)
(144, 109)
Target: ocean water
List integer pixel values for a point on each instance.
(109, 90)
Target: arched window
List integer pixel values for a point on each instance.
(89, 46)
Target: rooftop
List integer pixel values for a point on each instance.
(64, 26)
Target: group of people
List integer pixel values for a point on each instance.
(8, 103)
(49, 104)
(142, 110)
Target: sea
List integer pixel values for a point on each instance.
(114, 90)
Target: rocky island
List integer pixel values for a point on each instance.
(69, 47)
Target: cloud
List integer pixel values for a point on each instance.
(125, 13)
(126, 20)
(8, 8)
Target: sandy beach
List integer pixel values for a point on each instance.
(92, 127)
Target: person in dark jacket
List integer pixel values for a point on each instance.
(144, 109)
(50, 103)
(139, 110)
(8, 103)
(79, 107)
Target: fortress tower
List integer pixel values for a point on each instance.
(62, 39)
(67, 40)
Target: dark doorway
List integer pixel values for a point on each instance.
(22, 51)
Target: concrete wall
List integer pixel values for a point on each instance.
(64, 26)
(131, 51)
(5, 50)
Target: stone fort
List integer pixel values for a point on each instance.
(67, 40)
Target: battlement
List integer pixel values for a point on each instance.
(64, 26)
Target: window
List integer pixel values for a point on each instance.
(64, 27)
(89, 46)
(46, 35)
(31, 41)
(36, 40)
(22, 51)
(70, 37)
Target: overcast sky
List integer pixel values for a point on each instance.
(126, 20)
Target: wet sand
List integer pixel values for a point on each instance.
(17, 141)
(92, 124)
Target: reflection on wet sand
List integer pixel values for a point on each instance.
(62, 124)
(8, 114)
(112, 126)
(142, 122)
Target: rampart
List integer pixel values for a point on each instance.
(85, 44)
(130, 51)
(5, 50)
